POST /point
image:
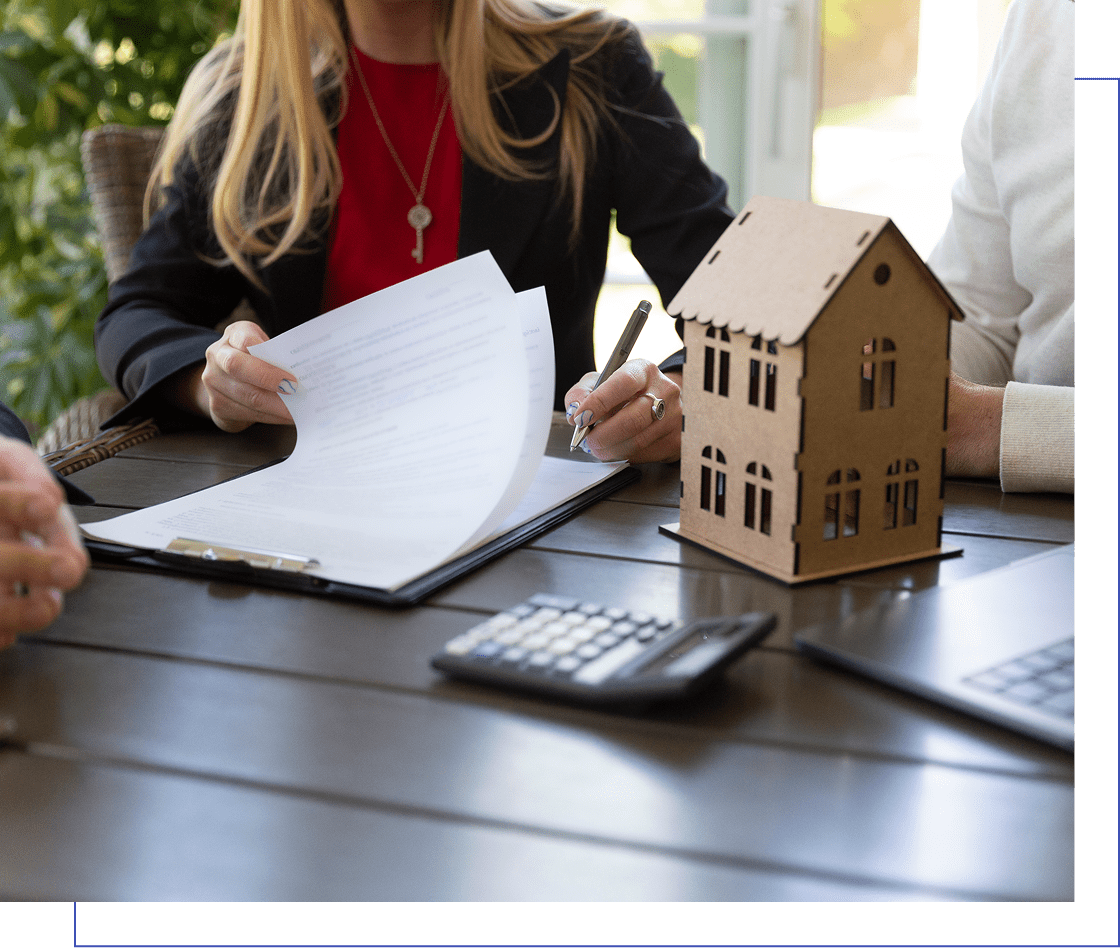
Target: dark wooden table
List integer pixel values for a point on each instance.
(177, 738)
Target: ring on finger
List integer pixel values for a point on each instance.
(658, 406)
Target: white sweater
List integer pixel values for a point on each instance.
(1007, 253)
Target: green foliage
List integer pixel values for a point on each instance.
(65, 66)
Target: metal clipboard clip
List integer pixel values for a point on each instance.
(258, 559)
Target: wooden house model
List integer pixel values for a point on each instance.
(815, 392)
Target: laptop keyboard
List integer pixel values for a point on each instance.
(1042, 679)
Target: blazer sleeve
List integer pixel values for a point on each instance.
(668, 201)
(162, 313)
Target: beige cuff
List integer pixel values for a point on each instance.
(1036, 438)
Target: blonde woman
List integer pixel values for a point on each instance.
(331, 148)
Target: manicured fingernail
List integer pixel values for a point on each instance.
(583, 419)
(586, 449)
(572, 408)
(287, 387)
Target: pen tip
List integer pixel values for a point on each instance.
(645, 306)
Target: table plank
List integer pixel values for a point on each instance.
(118, 833)
(874, 821)
(256, 445)
(615, 529)
(980, 507)
(771, 696)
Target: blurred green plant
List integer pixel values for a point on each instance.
(65, 66)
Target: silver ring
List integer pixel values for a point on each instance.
(658, 406)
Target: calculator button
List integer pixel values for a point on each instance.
(522, 610)
(541, 659)
(509, 636)
(589, 608)
(502, 620)
(598, 623)
(534, 621)
(536, 641)
(563, 646)
(582, 634)
(607, 640)
(623, 629)
(569, 663)
(589, 651)
(460, 645)
(487, 650)
(608, 663)
(556, 628)
(646, 632)
(513, 654)
(615, 613)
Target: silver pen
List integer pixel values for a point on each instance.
(618, 357)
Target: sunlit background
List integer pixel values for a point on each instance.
(856, 104)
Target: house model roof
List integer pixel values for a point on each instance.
(776, 267)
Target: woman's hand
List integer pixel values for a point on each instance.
(41, 552)
(622, 410)
(236, 389)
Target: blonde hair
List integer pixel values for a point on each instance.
(251, 113)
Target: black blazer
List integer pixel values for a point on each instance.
(647, 169)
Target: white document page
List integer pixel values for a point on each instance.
(413, 421)
(536, 333)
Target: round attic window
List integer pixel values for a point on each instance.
(882, 273)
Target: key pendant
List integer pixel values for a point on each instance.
(419, 218)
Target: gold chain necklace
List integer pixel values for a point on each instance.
(419, 216)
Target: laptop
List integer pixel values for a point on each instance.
(998, 646)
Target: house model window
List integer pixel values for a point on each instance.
(859, 328)
(724, 353)
(771, 375)
(760, 495)
(883, 368)
(720, 482)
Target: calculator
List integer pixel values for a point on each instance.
(562, 647)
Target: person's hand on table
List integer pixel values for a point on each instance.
(41, 552)
(622, 411)
(975, 419)
(234, 388)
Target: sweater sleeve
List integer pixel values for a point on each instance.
(1036, 448)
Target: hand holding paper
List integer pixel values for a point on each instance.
(396, 468)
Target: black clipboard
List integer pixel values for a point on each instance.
(290, 576)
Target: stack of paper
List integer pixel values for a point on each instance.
(422, 414)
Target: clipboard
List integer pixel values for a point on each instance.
(294, 572)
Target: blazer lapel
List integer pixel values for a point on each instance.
(500, 215)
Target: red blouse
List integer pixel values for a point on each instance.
(373, 242)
